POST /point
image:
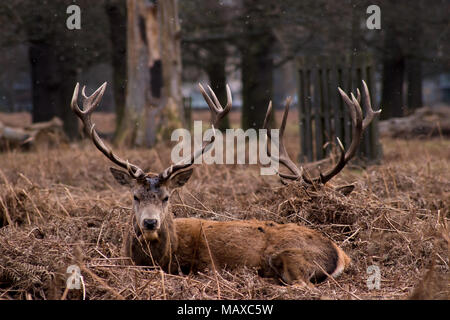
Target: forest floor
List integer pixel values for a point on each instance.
(61, 207)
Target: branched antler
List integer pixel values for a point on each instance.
(90, 103)
(218, 113)
(359, 125)
(283, 157)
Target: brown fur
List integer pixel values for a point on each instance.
(285, 251)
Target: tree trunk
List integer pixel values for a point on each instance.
(153, 59)
(356, 28)
(69, 72)
(257, 72)
(45, 81)
(414, 60)
(53, 81)
(135, 129)
(117, 18)
(170, 34)
(393, 77)
(414, 74)
(216, 70)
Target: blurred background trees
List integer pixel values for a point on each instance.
(56, 55)
(155, 52)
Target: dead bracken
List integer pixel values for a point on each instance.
(60, 207)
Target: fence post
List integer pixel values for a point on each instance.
(323, 116)
(187, 106)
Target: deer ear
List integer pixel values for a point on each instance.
(180, 178)
(121, 177)
(346, 190)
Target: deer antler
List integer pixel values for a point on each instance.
(359, 125)
(283, 157)
(218, 113)
(89, 104)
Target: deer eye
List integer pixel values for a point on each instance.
(136, 198)
(165, 199)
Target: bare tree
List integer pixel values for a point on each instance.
(57, 55)
(117, 18)
(154, 73)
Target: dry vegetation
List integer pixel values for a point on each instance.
(61, 207)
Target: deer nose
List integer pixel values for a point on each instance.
(150, 224)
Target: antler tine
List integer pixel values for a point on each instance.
(218, 113)
(324, 178)
(89, 105)
(74, 103)
(283, 157)
(356, 115)
(134, 171)
(370, 114)
(89, 102)
(93, 100)
(217, 105)
(266, 119)
(216, 108)
(183, 164)
(357, 123)
(349, 103)
(357, 129)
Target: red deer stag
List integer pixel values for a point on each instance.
(285, 251)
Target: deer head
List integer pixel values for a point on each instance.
(151, 191)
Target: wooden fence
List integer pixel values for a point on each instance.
(187, 106)
(322, 113)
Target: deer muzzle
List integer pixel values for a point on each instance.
(150, 223)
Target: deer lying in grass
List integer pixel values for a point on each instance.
(288, 252)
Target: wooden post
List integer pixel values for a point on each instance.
(302, 115)
(318, 128)
(323, 115)
(187, 106)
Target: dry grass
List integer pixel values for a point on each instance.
(61, 207)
